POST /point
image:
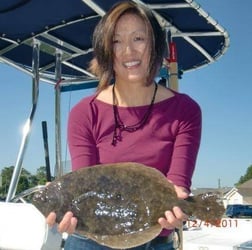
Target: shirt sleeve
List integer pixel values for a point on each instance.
(80, 138)
(186, 145)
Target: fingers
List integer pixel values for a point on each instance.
(173, 219)
(68, 223)
(182, 192)
(179, 214)
(176, 217)
(51, 219)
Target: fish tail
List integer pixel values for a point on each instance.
(209, 208)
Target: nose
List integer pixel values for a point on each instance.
(128, 48)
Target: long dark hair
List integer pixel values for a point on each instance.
(102, 63)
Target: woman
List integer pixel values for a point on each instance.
(132, 118)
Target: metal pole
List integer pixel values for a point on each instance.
(27, 127)
(58, 164)
(172, 65)
(46, 149)
(172, 61)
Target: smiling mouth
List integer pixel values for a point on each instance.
(131, 64)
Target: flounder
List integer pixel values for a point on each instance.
(118, 205)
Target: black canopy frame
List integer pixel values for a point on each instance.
(67, 26)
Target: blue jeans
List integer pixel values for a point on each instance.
(75, 242)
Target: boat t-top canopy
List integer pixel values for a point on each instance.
(65, 27)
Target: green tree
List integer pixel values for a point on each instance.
(41, 175)
(6, 178)
(245, 177)
(23, 184)
(26, 180)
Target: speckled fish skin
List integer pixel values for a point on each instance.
(118, 205)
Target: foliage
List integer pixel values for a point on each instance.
(26, 180)
(41, 175)
(245, 177)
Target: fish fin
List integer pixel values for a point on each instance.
(130, 240)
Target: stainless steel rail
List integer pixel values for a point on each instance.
(27, 127)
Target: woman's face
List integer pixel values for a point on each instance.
(131, 47)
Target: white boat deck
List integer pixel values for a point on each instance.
(228, 236)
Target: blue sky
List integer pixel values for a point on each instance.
(223, 90)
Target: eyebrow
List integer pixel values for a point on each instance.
(136, 31)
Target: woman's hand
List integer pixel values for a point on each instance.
(67, 224)
(174, 219)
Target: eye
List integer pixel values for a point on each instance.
(139, 38)
(116, 39)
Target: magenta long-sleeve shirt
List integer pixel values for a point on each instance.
(169, 141)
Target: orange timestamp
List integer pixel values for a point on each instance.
(224, 223)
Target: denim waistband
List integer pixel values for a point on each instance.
(161, 240)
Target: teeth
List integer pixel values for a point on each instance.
(130, 64)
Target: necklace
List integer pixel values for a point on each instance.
(120, 126)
